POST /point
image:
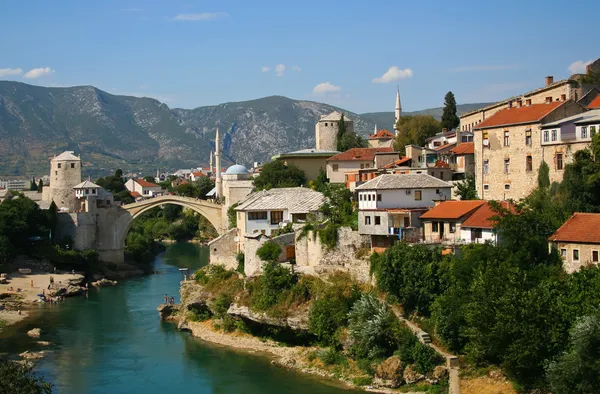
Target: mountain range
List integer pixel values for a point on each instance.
(143, 134)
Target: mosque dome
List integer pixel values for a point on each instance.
(237, 169)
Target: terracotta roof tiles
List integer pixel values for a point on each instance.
(580, 228)
(519, 115)
(363, 154)
(595, 103)
(452, 209)
(482, 218)
(144, 183)
(466, 148)
(381, 134)
(399, 162)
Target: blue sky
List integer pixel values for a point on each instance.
(346, 53)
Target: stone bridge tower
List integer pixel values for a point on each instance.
(65, 173)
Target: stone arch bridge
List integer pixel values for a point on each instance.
(113, 227)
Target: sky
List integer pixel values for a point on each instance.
(352, 53)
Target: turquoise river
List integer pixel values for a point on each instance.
(113, 342)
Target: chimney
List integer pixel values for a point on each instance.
(563, 97)
(549, 80)
(510, 104)
(519, 103)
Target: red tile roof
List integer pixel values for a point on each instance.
(441, 164)
(144, 183)
(466, 148)
(398, 162)
(198, 173)
(580, 228)
(381, 134)
(523, 115)
(362, 154)
(595, 103)
(454, 209)
(481, 218)
(135, 194)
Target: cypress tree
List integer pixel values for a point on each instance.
(449, 118)
(33, 185)
(40, 186)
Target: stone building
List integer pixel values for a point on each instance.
(381, 139)
(311, 161)
(327, 128)
(237, 185)
(578, 240)
(65, 173)
(509, 148)
(442, 223)
(353, 160)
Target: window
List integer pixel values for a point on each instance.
(72, 165)
(548, 99)
(369, 197)
(417, 195)
(258, 215)
(563, 253)
(583, 132)
(563, 97)
(575, 254)
(362, 166)
(87, 191)
(93, 191)
(594, 256)
(434, 227)
(592, 131)
(507, 166)
(367, 220)
(442, 175)
(528, 163)
(452, 227)
(379, 197)
(528, 102)
(377, 220)
(276, 217)
(486, 187)
(325, 124)
(507, 186)
(59, 165)
(554, 135)
(486, 166)
(55, 172)
(527, 137)
(546, 136)
(335, 167)
(367, 165)
(437, 191)
(506, 138)
(559, 161)
(360, 197)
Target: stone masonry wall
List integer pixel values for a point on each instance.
(223, 250)
(585, 255)
(253, 264)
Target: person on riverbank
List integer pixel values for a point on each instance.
(31, 283)
(166, 299)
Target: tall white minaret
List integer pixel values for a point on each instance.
(375, 131)
(398, 109)
(218, 181)
(210, 169)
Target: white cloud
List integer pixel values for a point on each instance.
(483, 68)
(38, 72)
(578, 67)
(325, 87)
(265, 69)
(201, 17)
(280, 70)
(8, 72)
(393, 74)
(296, 68)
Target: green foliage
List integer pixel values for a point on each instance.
(415, 130)
(199, 315)
(116, 185)
(319, 183)
(16, 378)
(466, 189)
(577, 370)
(240, 258)
(40, 186)
(33, 185)
(450, 120)
(372, 328)
(288, 228)
(232, 215)
(277, 174)
(581, 181)
(347, 139)
(149, 179)
(332, 356)
(543, 175)
(222, 304)
(271, 286)
(21, 219)
(269, 252)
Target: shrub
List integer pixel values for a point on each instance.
(326, 317)
(425, 358)
(363, 381)
(221, 304)
(332, 357)
(20, 379)
(269, 251)
(240, 258)
(271, 285)
(199, 315)
(228, 323)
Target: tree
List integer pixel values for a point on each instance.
(466, 189)
(119, 173)
(581, 180)
(578, 369)
(449, 118)
(149, 179)
(52, 214)
(269, 251)
(40, 186)
(204, 185)
(543, 175)
(277, 174)
(16, 378)
(415, 130)
(33, 186)
(348, 139)
(232, 215)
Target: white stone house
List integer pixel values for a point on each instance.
(391, 204)
(480, 226)
(265, 211)
(143, 188)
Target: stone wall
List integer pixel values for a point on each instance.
(81, 227)
(585, 255)
(253, 264)
(223, 250)
(312, 254)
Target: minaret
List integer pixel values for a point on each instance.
(375, 131)
(398, 109)
(218, 181)
(211, 163)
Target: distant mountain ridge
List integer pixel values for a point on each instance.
(143, 134)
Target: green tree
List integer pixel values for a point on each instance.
(543, 175)
(171, 212)
(204, 185)
(186, 190)
(415, 130)
(16, 378)
(581, 181)
(119, 173)
(578, 369)
(33, 186)
(232, 215)
(277, 174)
(450, 120)
(149, 179)
(466, 189)
(269, 251)
(52, 214)
(347, 139)
(40, 186)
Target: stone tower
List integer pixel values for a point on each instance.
(65, 173)
(218, 175)
(327, 128)
(398, 110)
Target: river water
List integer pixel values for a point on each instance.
(113, 342)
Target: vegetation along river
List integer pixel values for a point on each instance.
(113, 342)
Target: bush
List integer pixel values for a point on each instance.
(228, 323)
(327, 316)
(362, 381)
(221, 304)
(270, 287)
(19, 379)
(425, 358)
(240, 258)
(332, 357)
(269, 251)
